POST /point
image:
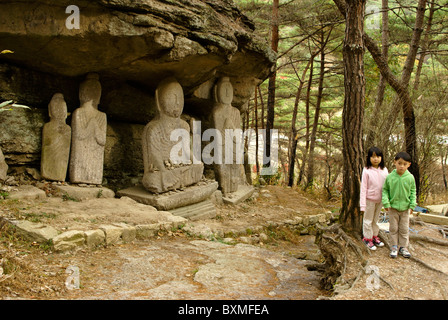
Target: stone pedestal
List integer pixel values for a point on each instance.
(176, 178)
(243, 193)
(174, 199)
(202, 210)
(84, 193)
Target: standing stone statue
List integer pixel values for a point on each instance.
(88, 135)
(161, 174)
(3, 166)
(224, 116)
(56, 139)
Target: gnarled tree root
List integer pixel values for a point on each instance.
(340, 250)
(345, 259)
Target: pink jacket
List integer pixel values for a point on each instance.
(372, 185)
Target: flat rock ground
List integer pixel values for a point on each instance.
(263, 263)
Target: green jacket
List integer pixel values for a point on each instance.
(399, 192)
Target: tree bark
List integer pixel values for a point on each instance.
(294, 133)
(307, 123)
(373, 127)
(271, 86)
(310, 172)
(257, 162)
(401, 86)
(424, 47)
(353, 114)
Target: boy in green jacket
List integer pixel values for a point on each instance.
(399, 199)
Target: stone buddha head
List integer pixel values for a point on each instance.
(170, 98)
(90, 89)
(223, 91)
(57, 108)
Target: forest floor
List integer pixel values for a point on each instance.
(32, 271)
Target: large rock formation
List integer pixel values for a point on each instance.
(139, 42)
(132, 45)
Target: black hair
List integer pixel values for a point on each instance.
(379, 153)
(403, 155)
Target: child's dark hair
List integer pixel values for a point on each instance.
(379, 153)
(403, 155)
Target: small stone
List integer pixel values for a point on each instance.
(68, 240)
(94, 238)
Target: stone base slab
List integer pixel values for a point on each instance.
(27, 192)
(242, 194)
(33, 231)
(201, 210)
(173, 199)
(84, 193)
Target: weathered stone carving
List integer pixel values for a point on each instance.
(3, 166)
(224, 116)
(56, 141)
(88, 135)
(161, 174)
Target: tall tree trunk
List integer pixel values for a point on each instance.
(352, 114)
(257, 162)
(424, 47)
(307, 123)
(271, 86)
(262, 107)
(373, 126)
(294, 134)
(310, 172)
(246, 166)
(443, 158)
(407, 105)
(401, 86)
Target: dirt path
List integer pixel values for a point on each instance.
(176, 265)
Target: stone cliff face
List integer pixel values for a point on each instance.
(132, 45)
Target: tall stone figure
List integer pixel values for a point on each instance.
(3, 166)
(161, 173)
(88, 134)
(56, 140)
(224, 116)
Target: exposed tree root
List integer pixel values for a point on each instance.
(433, 249)
(418, 238)
(340, 251)
(428, 239)
(345, 260)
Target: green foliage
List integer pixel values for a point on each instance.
(303, 24)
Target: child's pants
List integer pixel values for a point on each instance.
(370, 221)
(399, 228)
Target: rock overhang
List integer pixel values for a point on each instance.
(138, 42)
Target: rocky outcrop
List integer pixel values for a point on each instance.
(137, 42)
(132, 45)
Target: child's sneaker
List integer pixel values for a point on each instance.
(393, 252)
(404, 252)
(369, 243)
(376, 241)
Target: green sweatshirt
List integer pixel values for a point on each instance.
(399, 192)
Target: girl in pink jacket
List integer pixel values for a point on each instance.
(373, 177)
